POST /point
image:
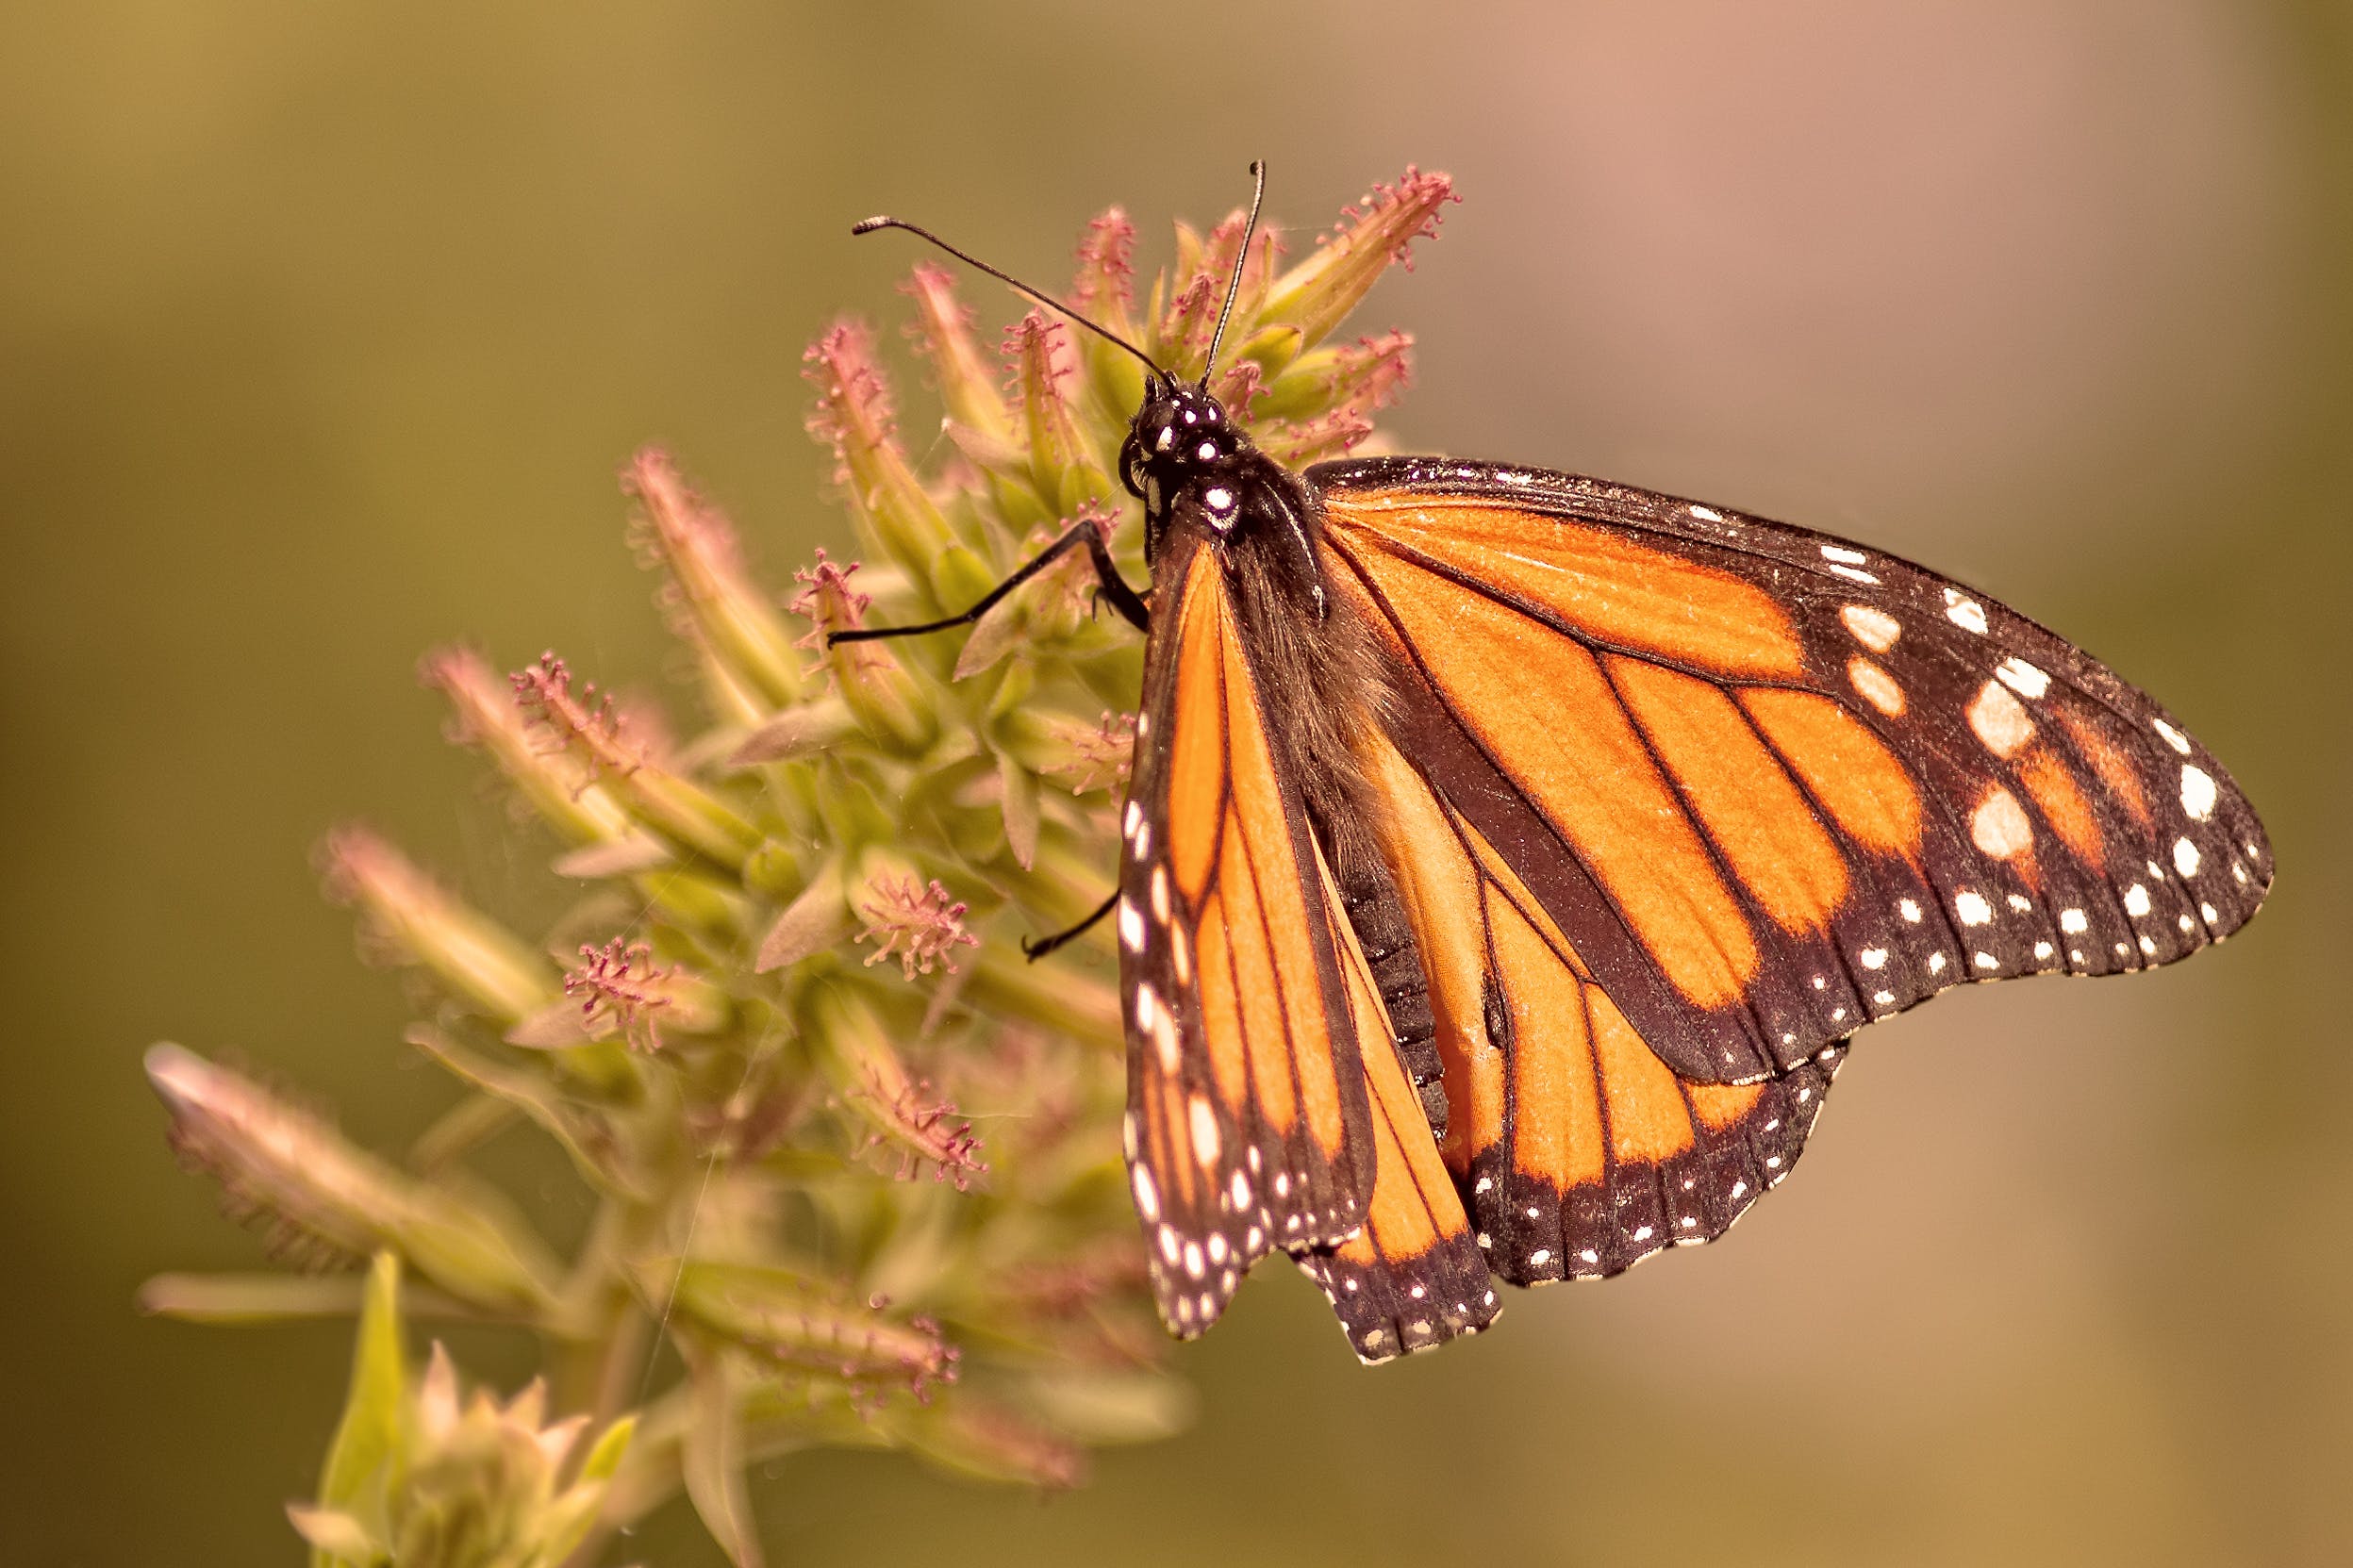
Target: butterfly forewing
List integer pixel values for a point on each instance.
(1249, 1125)
(1768, 787)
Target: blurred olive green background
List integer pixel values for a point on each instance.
(322, 329)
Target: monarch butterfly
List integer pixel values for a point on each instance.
(1508, 855)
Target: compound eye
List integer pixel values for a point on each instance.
(1166, 439)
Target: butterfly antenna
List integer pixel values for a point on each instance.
(1233, 283)
(871, 224)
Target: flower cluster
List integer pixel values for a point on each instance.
(710, 1036)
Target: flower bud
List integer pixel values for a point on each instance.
(923, 926)
(315, 1194)
(422, 1473)
(484, 714)
(622, 990)
(1318, 293)
(812, 1326)
(867, 676)
(710, 595)
(1081, 757)
(943, 331)
(1044, 367)
(409, 919)
(873, 1081)
(1104, 290)
(853, 415)
(589, 728)
(991, 1441)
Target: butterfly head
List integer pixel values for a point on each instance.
(1181, 439)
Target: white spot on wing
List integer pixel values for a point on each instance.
(1147, 1196)
(2185, 857)
(2197, 792)
(2074, 922)
(1878, 688)
(1999, 826)
(2022, 678)
(1965, 613)
(1204, 1129)
(2136, 900)
(2174, 737)
(1998, 720)
(1875, 629)
(1839, 553)
(1856, 574)
(1131, 926)
(1972, 908)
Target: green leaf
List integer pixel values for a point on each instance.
(336, 1536)
(1020, 809)
(569, 1518)
(714, 1460)
(584, 1133)
(365, 1461)
(605, 1459)
(815, 920)
(243, 1299)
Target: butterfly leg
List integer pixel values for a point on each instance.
(1123, 598)
(1039, 949)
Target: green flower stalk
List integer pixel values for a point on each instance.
(852, 1156)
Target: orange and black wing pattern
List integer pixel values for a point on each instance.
(1414, 1277)
(1249, 1125)
(1766, 787)
(1579, 1151)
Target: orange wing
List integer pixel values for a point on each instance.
(1580, 1152)
(1249, 1125)
(1766, 786)
(1413, 1278)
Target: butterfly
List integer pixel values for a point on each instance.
(1509, 855)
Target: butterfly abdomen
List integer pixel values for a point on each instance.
(1369, 898)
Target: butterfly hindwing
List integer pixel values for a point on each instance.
(1767, 786)
(1413, 1278)
(1248, 1123)
(1579, 1151)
